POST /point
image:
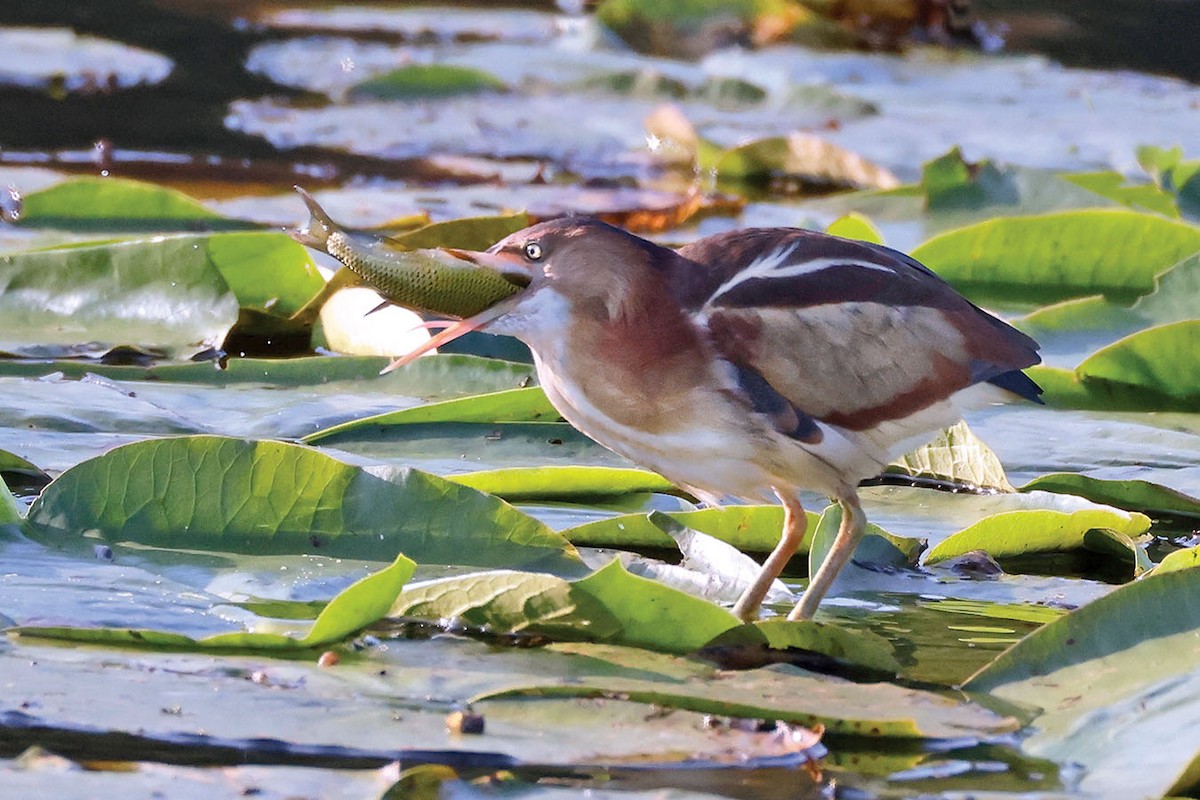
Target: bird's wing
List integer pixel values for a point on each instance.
(846, 332)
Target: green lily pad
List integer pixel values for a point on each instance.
(1138, 196)
(1017, 533)
(514, 405)
(1131, 495)
(10, 509)
(419, 81)
(115, 203)
(221, 494)
(354, 608)
(1118, 685)
(950, 183)
(804, 156)
(1180, 559)
(855, 226)
(565, 483)
(1051, 257)
(855, 647)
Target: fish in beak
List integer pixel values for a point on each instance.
(506, 264)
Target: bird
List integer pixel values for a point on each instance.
(751, 364)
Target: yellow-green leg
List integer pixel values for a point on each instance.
(854, 523)
(794, 524)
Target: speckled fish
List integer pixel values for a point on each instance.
(437, 281)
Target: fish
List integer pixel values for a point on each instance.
(432, 280)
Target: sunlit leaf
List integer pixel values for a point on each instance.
(1052, 257)
(653, 615)
(354, 608)
(115, 203)
(214, 493)
(513, 405)
(1115, 186)
(1162, 362)
(1118, 685)
(467, 233)
(1131, 495)
(1186, 558)
(10, 510)
(855, 226)
(1018, 533)
(564, 484)
(414, 81)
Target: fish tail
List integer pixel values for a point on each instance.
(316, 233)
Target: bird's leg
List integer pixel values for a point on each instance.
(794, 523)
(854, 523)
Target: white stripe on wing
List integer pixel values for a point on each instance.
(775, 265)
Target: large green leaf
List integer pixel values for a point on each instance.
(1017, 533)
(1051, 257)
(1118, 683)
(653, 615)
(169, 292)
(1139, 196)
(514, 405)
(119, 203)
(216, 493)
(1131, 495)
(354, 608)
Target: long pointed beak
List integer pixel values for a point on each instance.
(512, 267)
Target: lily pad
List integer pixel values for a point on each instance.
(855, 226)
(1051, 257)
(1018, 533)
(856, 647)
(1117, 683)
(1131, 495)
(10, 510)
(354, 608)
(1186, 558)
(565, 483)
(115, 203)
(956, 457)
(949, 182)
(219, 494)
(1138, 196)
(806, 157)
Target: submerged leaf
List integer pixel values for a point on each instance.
(214, 493)
(1119, 686)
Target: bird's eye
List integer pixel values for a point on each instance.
(533, 251)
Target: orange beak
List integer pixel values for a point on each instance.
(505, 263)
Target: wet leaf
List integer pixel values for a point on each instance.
(777, 692)
(655, 616)
(420, 81)
(513, 405)
(1017, 533)
(1042, 259)
(957, 457)
(176, 292)
(115, 203)
(1186, 558)
(354, 608)
(219, 494)
(565, 483)
(1131, 495)
(1118, 685)
(854, 647)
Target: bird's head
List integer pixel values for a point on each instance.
(575, 268)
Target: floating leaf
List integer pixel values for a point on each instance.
(1131, 495)
(1138, 196)
(114, 203)
(854, 647)
(653, 615)
(777, 692)
(10, 509)
(1160, 364)
(804, 156)
(564, 484)
(951, 183)
(467, 233)
(354, 608)
(419, 81)
(1052, 257)
(1017, 533)
(181, 291)
(215, 493)
(513, 405)
(1186, 558)
(1119, 686)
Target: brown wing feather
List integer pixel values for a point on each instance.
(849, 333)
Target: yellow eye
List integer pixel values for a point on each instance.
(533, 251)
